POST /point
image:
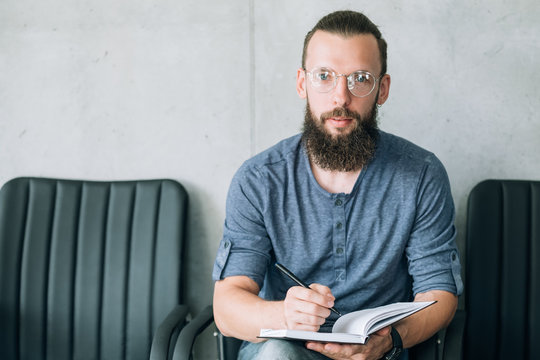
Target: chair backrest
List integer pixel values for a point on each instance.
(88, 269)
(502, 295)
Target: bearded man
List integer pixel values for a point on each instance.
(365, 217)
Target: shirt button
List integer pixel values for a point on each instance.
(338, 202)
(226, 244)
(339, 225)
(339, 250)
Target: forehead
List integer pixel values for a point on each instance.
(343, 54)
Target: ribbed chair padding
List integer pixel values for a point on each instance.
(88, 270)
(502, 296)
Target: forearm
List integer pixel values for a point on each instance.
(424, 324)
(241, 313)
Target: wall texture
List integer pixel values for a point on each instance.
(190, 89)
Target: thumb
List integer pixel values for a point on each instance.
(384, 331)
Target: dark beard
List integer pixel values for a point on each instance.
(347, 152)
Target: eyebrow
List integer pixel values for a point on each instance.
(340, 73)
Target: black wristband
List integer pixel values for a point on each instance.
(397, 346)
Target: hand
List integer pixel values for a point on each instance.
(379, 344)
(307, 309)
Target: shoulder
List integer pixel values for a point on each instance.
(276, 156)
(264, 172)
(393, 146)
(405, 154)
(413, 165)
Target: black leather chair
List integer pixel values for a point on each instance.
(90, 270)
(502, 284)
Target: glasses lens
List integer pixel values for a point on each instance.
(361, 83)
(322, 79)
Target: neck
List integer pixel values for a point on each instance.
(335, 182)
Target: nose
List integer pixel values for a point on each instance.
(341, 94)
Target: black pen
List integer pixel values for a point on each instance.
(293, 277)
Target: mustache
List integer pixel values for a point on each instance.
(340, 112)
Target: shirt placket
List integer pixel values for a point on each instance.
(339, 239)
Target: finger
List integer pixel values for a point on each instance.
(306, 309)
(305, 316)
(334, 350)
(315, 346)
(310, 295)
(384, 331)
(324, 290)
(321, 289)
(304, 327)
(306, 312)
(311, 314)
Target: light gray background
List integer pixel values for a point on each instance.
(127, 89)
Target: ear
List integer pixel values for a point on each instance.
(384, 89)
(301, 83)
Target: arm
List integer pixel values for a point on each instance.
(241, 265)
(422, 325)
(413, 330)
(239, 312)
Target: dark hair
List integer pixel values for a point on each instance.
(347, 23)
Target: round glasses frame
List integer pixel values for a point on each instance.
(350, 80)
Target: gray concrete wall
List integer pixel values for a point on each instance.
(188, 90)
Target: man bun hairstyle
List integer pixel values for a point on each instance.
(347, 23)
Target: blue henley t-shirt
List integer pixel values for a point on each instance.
(392, 237)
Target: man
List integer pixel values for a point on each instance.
(362, 215)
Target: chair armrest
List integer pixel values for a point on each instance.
(187, 335)
(161, 342)
(453, 341)
(228, 346)
(426, 350)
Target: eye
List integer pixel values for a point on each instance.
(361, 78)
(322, 75)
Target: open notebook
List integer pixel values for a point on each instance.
(354, 327)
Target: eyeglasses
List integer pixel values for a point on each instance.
(360, 83)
